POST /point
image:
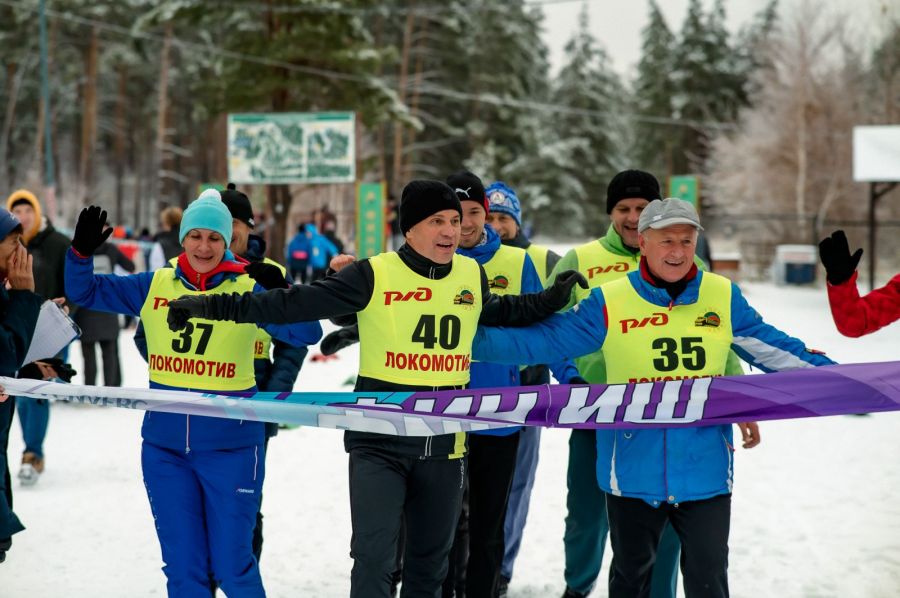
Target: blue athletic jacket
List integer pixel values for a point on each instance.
(496, 375)
(671, 465)
(126, 295)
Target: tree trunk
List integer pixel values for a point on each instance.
(14, 77)
(278, 196)
(409, 160)
(381, 134)
(119, 140)
(89, 118)
(397, 170)
(162, 109)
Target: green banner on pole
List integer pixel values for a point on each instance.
(686, 187)
(369, 219)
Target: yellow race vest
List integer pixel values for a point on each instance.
(538, 255)
(599, 266)
(418, 331)
(263, 339)
(206, 355)
(504, 270)
(646, 342)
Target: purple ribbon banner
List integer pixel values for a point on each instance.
(812, 392)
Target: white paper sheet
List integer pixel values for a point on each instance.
(53, 331)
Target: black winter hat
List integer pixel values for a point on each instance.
(238, 204)
(422, 198)
(631, 183)
(468, 187)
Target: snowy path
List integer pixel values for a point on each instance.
(815, 510)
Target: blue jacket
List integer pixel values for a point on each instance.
(126, 295)
(668, 465)
(321, 250)
(297, 253)
(497, 375)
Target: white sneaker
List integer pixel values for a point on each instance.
(31, 469)
(28, 475)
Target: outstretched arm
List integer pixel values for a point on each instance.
(560, 337)
(523, 310)
(346, 292)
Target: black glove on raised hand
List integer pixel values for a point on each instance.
(339, 339)
(556, 296)
(183, 309)
(89, 233)
(834, 251)
(268, 276)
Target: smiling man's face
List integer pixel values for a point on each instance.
(669, 251)
(625, 215)
(436, 237)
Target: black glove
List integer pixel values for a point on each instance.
(89, 233)
(339, 339)
(183, 309)
(31, 371)
(834, 251)
(64, 371)
(268, 276)
(578, 380)
(557, 295)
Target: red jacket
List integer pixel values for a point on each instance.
(855, 316)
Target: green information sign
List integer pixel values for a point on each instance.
(369, 219)
(292, 147)
(686, 187)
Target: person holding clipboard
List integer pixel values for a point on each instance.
(19, 309)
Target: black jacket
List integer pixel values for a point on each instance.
(168, 240)
(348, 292)
(48, 249)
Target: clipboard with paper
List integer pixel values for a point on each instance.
(53, 331)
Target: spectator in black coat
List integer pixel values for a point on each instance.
(100, 327)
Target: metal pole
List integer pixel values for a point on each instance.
(874, 195)
(872, 199)
(49, 181)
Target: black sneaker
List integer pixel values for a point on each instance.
(502, 587)
(570, 593)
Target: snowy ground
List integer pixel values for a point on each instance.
(815, 508)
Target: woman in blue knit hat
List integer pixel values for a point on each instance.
(203, 475)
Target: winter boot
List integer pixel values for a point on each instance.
(32, 468)
(570, 593)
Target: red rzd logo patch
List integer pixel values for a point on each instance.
(420, 294)
(657, 319)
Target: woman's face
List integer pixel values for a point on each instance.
(204, 249)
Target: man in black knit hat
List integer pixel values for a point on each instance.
(393, 478)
